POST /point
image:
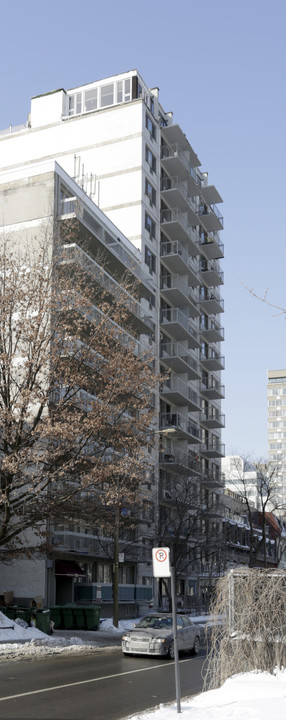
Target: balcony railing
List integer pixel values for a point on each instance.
(212, 358)
(188, 393)
(213, 447)
(212, 327)
(180, 462)
(174, 350)
(174, 151)
(213, 418)
(175, 282)
(98, 274)
(73, 206)
(177, 423)
(174, 316)
(209, 210)
(212, 244)
(213, 389)
(174, 248)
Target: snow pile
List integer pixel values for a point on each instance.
(18, 641)
(17, 630)
(251, 696)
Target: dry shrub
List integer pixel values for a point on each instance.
(248, 628)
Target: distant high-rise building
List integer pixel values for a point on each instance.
(276, 411)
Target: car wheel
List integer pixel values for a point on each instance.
(171, 650)
(196, 645)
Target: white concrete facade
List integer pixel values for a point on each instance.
(122, 157)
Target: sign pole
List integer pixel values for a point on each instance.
(175, 634)
(162, 568)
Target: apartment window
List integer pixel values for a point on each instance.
(152, 105)
(123, 89)
(150, 226)
(150, 192)
(75, 104)
(90, 97)
(151, 127)
(104, 573)
(150, 259)
(150, 159)
(107, 95)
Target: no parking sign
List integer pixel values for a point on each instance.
(161, 562)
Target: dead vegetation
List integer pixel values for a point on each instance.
(248, 628)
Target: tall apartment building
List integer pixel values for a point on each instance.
(109, 156)
(276, 412)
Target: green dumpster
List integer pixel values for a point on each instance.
(92, 616)
(10, 613)
(79, 618)
(23, 614)
(68, 617)
(56, 616)
(43, 621)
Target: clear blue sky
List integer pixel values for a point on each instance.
(220, 67)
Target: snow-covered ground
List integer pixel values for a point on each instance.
(251, 696)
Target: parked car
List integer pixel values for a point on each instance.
(153, 635)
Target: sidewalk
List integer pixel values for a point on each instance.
(92, 637)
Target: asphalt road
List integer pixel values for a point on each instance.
(96, 686)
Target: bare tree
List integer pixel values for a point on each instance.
(247, 632)
(257, 485)
(75, 394)
(190, 524)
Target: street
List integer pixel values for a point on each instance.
(97, 686)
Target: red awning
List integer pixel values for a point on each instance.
(68, 567)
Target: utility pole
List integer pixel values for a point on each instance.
(115, 568)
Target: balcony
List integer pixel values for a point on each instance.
(210, 194)
(180, 463)
(178, 358)
(212, 419)
(177, 392)
(177, 260)
(180, 427)
(100, 278)
(213, 390)
(211, 360)
(211, 246)
(212, 480)
(178, 325)
(176, 224)
(174, 136)
(211, 273)
(211, 218)
(213, 449)
(211, 301)
(174, 192)
(176, 292)
(76, 218)
(212, 331)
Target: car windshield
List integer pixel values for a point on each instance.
(155, 622)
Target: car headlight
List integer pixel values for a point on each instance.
(159, 640)
(125, 637)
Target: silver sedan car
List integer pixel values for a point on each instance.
(154, 636)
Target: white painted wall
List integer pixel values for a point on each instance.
(109, 144)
